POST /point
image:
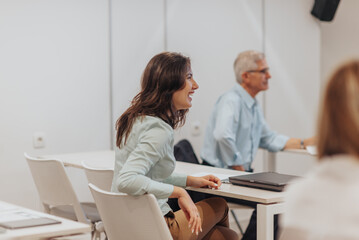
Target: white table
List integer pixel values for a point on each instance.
(99, 159)
(66, 227)
(271, 163)
(269, 203)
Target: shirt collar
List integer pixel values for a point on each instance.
(249, 101)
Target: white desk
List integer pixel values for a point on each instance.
(271, 163)
(269, 203)
(100, 159)
(66, 227)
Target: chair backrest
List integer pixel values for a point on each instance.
(54, 186)
(183, 152)
(130, 217)
(102, 178)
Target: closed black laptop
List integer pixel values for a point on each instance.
(265, 180)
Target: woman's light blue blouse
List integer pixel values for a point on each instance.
(146, 163)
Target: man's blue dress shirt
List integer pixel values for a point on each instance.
(236, 129)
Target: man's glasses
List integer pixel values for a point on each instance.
(264, 71)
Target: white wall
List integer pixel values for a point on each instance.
(137, 35)
(54, 79)
(292, 45)
(340, 37)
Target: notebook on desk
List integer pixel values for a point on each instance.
(22, 219)
(265, 180)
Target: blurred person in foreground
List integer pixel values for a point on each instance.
(323, 205)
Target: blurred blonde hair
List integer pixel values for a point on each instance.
(338, 122)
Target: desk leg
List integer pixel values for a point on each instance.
(265, 216)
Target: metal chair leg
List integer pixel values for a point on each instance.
(237, 222)
(98, 228)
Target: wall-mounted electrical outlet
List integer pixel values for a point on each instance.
(38, 140)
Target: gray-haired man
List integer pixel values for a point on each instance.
(237, 128)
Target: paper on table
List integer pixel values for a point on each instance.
(222, 177)
(6, 207)
(23, 219)
(16, 216)
(312, 150)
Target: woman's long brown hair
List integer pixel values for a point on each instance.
(338, 122)
(164, 74)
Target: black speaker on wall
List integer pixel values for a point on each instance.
(325, 10)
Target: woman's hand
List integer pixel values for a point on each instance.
(209, 181)
(189, 208)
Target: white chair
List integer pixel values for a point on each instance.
(130, 217)
(101, 178)
(57, 194)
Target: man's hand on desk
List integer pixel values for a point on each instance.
(209, 181)
(312, 141)
(238, 167)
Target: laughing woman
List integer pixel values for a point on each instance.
(144, 159)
